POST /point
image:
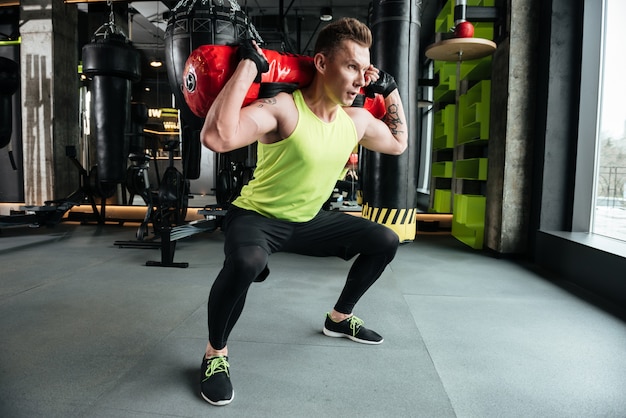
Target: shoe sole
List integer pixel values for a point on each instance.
(218, 403)
(334, 334)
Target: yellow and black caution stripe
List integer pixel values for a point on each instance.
(401, 221)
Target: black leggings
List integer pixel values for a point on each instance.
(251, 238)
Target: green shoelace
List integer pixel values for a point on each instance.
(355, 324)
(216, 365)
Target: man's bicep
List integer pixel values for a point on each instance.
(376, 135)
(258, 118)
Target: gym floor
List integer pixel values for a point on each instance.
(89, 331)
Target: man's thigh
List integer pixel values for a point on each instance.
(334, 234)
(246, 228)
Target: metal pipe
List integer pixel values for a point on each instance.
(460, 11)
(11, 42)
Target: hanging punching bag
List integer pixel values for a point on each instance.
(112, 64)
(9, 82)
(200, 24)
(390, 182)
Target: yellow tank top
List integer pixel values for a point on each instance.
(295, 176)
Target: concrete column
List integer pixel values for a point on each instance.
(512, 128)
(49, 91)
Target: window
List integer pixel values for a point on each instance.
(609, 207)
(593, 261)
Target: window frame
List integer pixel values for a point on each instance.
(589, 115)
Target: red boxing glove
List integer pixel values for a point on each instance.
(209, 67)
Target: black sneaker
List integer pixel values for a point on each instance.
(215, 386)
(351, 328)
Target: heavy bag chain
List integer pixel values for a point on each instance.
(109, 28)
(234, 7)
(233, 4)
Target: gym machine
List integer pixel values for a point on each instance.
(193, 23)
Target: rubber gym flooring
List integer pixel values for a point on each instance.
(87, 330)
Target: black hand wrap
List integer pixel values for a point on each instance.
(247, 51)
(384, 85)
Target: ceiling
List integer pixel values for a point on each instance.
(150, 20)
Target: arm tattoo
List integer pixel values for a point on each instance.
(270, 101)
(392, 120)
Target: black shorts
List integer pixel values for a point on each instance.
(329, 233)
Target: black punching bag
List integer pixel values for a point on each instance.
(112, 64)
(201, 24)
(9, 82)
(390, 182)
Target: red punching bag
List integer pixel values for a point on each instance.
(209, 67)
(375, 105)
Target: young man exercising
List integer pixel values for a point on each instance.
(304, 140)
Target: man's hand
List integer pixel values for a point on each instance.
(383, 84)
(249, 50)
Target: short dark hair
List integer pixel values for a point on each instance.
(343, 29)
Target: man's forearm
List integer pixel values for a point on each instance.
(395, 118)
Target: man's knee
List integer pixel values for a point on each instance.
(248, 261)
(387, 242)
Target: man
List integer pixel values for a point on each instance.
(304, 140)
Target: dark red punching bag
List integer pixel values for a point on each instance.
(112, 64)
(9, 82)
(188, 28)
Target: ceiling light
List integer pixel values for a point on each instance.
(156, 63)
(326, 14)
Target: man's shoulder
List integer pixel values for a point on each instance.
(356, 112)
(280, 100)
